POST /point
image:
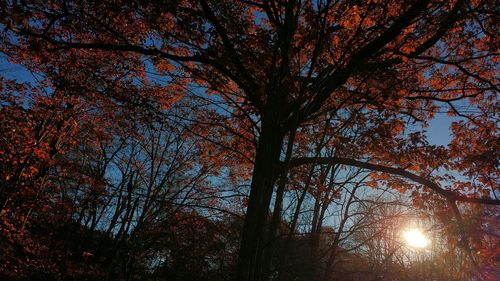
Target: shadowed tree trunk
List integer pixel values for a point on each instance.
(263, 179)
(276, 216)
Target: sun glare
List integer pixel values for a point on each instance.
(415, 238)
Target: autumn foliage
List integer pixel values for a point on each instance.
(247, 140)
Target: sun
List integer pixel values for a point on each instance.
(415, 238)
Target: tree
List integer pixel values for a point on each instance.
(374, 66)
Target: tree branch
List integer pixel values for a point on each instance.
(333, 79)
(450, 195)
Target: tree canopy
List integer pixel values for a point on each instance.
(163, 114)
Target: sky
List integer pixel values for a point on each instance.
(438, 132)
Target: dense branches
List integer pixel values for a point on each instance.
(178, 114)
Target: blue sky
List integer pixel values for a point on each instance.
(439, 132)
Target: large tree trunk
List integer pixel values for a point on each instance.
(275, 222)
(263, 179)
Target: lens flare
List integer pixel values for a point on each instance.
(415, 238)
